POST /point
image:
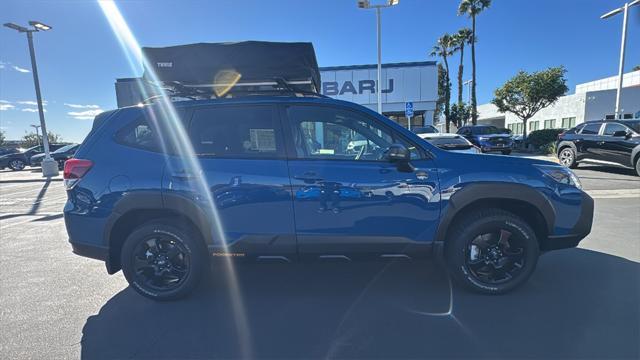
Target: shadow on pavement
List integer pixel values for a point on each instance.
(579, 303)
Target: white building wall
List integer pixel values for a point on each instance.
(585, 105)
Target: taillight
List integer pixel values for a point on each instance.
(74, 170)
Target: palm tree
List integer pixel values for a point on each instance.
(461, 38)
(472, 8)
(443, 48)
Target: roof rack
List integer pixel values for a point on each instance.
(274, 87)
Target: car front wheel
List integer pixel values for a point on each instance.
(162, 261)
(506, 152)
(638, 166)
(492, 251)
(17, 165)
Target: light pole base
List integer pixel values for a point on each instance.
(49, 167)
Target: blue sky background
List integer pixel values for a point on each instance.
(80, 58)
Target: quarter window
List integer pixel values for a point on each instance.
(590, 129)
(231, 132)
(326, 133)
(140, 134)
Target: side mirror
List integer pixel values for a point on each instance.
(620, 133)
(400, 155)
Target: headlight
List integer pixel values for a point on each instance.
(483, 138)
(560, 174)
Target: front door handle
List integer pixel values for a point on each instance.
(182, 175)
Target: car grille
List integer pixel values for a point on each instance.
(499, 141)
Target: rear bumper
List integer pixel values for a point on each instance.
(581, 229)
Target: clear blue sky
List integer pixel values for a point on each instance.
(80, 58)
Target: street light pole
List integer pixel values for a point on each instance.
(37, 127)
(365, 4)
(49, 166)
(625, 10)
(379, 36)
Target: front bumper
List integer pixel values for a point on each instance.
(486, 147)
(580, 230)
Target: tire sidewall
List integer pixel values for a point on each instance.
(458, 253)
(187, 239)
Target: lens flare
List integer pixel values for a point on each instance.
(165, 116)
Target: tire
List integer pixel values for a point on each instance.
(506, 152)
(567, 158)
(17, 165)
(179, 254)
(638, 166)
(469, 262)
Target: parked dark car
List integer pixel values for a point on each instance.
(608, 142)
(488, 138)
(19, 160)
(60, 156)
(271, 179)
(451, 142)
(427, 129)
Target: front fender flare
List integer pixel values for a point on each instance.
(494, 191)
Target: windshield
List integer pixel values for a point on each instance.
(635, 125)
(485, 130)
(425, 130)
(65, 148)
(448, 142)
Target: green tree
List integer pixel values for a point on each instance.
(636, 68)
(460, 113)
(527, 93)
(443, 49)
(472, 8)
(31, 139)
(461, 38)
(2, 137)
(442, 96)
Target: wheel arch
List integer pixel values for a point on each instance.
(565, 144)
(133, 211)
(521, 200)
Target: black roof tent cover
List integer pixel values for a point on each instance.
(255, 61)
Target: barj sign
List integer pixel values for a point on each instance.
(401, 83)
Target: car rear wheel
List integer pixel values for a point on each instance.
(162, 261)
(17, 165)
(567, 158)
(492, 251)
(638, 166)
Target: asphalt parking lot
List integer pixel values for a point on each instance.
(581, 303)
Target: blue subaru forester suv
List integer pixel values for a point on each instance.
(161, 193)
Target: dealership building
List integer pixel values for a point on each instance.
(594, 100)
(414, 82)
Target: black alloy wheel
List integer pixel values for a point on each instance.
(164, 260)
(496, 257)
(161, 263)
(491, 251)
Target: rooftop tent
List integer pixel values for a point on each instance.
(216, 65)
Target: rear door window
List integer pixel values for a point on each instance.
(237, 132)
(591, 129)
